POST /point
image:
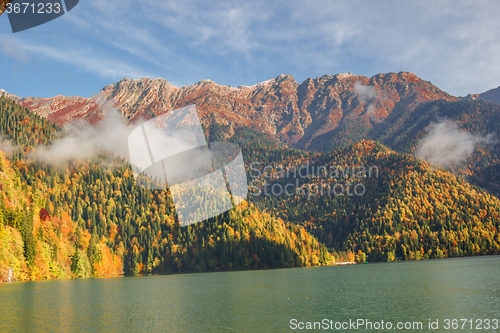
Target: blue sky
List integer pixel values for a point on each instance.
(453, 44)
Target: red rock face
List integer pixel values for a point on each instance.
(62, 109)
(294, 113)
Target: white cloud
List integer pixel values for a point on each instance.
(83, 141)
(368, 94)
(446, 145)
(365, 93)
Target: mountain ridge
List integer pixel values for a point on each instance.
(93, 219)
(296, 113)
(492, 95)
(4, 93)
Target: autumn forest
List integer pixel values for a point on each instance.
(89, 218)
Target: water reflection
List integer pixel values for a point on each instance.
(256, 300)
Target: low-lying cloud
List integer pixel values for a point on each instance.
(82, 140)
(367, 94)
(446, 145)
(6, 145)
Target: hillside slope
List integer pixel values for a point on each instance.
(90, 218)
(375, 202)
(492, 95)
(479, 119)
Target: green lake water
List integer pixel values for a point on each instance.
(264, 301)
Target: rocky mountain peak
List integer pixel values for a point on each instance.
(4, 93)
(295, 113)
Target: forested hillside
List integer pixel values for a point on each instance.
(319, 114)
(402, 207)
(91, 219)
(363, 202)
(481, 118)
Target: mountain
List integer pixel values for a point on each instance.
(302, 115)
(3, 93)
(91, 218)
(88, 218)
(458, 126)
(370, 200)
(319, 114)
(61, 109)
(492, 95)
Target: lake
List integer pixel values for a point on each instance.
(266, 301)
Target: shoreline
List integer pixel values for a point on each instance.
(249, 270)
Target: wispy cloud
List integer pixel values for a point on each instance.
(9, 47)
(451, 43)
(104, 67)
(227, 26)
